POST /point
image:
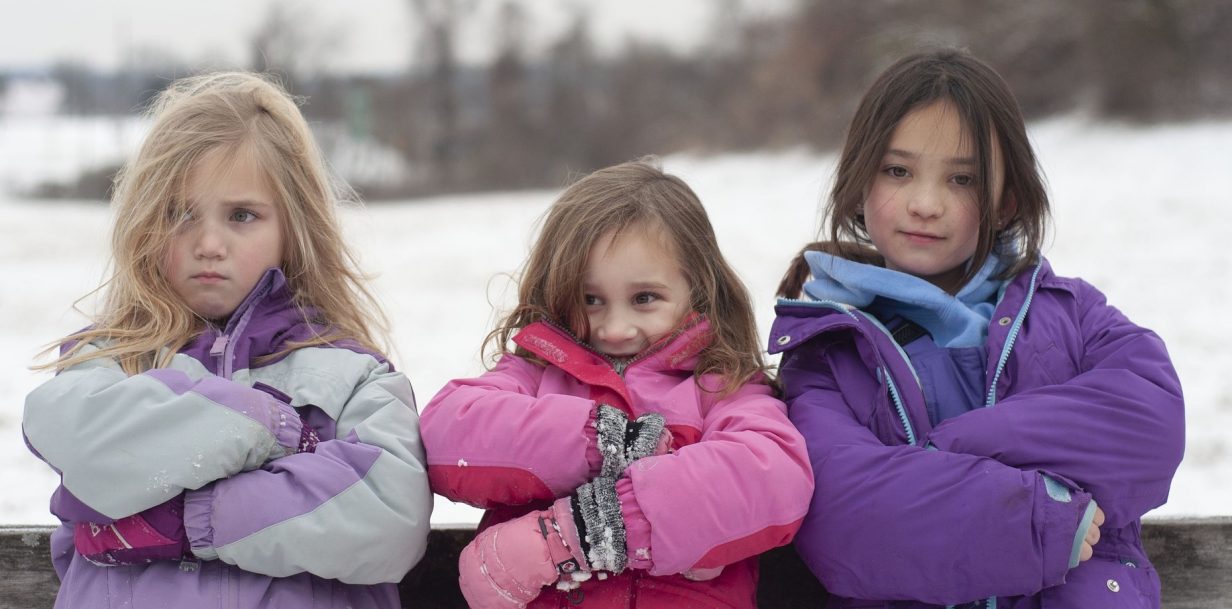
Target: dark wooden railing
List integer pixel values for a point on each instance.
(1193, 557)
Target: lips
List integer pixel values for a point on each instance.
(918, 237)
(208, 277)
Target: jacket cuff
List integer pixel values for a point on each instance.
(1081, 533)
(1060, 508)
(198, 521)
(637, 528)
(286, 424)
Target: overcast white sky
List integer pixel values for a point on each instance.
(373, 35)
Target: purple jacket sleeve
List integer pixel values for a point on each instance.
(904, 523)
(1116, 427)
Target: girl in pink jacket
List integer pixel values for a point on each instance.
(628, 446)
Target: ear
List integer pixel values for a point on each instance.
(1007, 210)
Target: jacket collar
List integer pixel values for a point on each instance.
(678, 351)
(261, 325)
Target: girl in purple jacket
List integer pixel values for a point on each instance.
(627, 444)
(226, 433)
(982, 431)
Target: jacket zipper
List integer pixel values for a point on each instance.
(1011, 337)
(224, 347)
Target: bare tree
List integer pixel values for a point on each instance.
(440, 21)
(287, 42)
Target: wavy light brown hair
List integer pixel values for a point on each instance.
(990, 115)
(142, 321)
(636, 195)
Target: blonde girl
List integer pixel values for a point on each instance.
(227, 431)
(627, 444)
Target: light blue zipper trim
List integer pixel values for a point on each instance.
(898, 405)
(902, 352)
(818, 304)
(882, 372)
(991, 399)
(991, 602)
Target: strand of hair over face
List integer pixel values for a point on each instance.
(142, 322)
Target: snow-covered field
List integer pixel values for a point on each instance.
(1142, 213)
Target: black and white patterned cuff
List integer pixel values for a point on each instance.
(600, 525)
(610, 427)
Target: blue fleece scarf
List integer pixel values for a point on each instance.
(959, 320)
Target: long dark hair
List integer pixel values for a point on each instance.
(990, 115)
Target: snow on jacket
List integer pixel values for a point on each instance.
(335, 528)
(737, 483)
(1075, 392)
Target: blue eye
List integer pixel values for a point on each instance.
(179, 215)
(243, 216)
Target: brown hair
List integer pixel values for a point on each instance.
(618, 198)
(240, 113)
(990, 115)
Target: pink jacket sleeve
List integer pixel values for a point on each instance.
(742, 489)
(492, 440)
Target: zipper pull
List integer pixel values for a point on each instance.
(220, 345)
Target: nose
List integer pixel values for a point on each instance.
(926, 201)
(208, 241)
(615, 327)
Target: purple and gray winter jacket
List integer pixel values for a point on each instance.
(269, 527)
(1075, 393)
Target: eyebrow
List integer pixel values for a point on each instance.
(954, 160)
(637, 285)
(247, 203)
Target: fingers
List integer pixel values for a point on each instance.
(1092, 536)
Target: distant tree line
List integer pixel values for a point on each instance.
(523, 121)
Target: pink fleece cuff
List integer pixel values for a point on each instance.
(637, 528)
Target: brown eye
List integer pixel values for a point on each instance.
(645, 298)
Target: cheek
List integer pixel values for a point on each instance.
(170, 261)
(878, 213)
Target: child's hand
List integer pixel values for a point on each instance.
(621, 441)
(155, 534)
(1092, 537)
(507, 565)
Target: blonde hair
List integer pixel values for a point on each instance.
(233, 111)
(611, 200)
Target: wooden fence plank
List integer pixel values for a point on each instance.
(1193, 556)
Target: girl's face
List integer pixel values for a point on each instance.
(636, 292)
(230, 235)
(922, 210)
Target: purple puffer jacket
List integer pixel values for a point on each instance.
(1075, 392)
(269, 527)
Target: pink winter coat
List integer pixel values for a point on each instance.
(736, 484)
